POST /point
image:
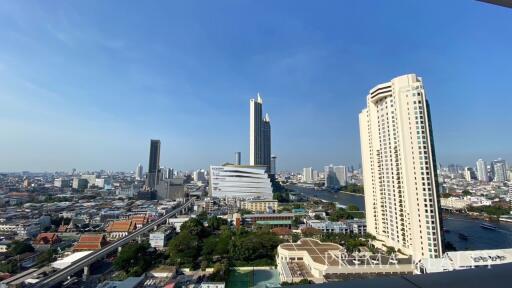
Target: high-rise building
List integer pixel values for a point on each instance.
(469, 174)
(199, 175)
(481, 169)
(335, 176)
(238, 158)
(399, 168)
(341, 175)
(499, 169)
(80, 183)
(139, 172)
(259, 135)
(169, 173)
(234, 181)
(154, 164)
(307, 175)
(273, 167)
(330, 177)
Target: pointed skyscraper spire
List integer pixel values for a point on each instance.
(260, 100)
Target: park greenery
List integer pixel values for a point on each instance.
(493, 210)
(218, 246)
(134, 259)
(353, 188)
(351, 212)
(17, 247)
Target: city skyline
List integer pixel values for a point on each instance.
(89, 95)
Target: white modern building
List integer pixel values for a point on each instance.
(335, 176)
(139, 172)
(259, 135)
(199, 175)
(481, 169)
(499, 168)
(307, 175)
(233, 181)
(469, 174)
(341, 175)
(348, 226)
(399, 168)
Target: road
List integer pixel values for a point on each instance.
(63, 274)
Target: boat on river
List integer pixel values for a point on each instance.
(488, 226)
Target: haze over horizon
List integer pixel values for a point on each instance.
(87, 84)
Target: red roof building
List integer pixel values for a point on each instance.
(47, 239)
(90, 242)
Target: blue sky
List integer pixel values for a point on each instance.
(86, 84)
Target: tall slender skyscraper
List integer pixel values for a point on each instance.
(238, 158)
(499, 169)
(259, 134)
(481, 170)
(266, 143)
(273, 167)
(399, 168)
(139, 172)
(154, 164)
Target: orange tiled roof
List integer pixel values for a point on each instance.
(88, 238)
(87, 246)
(90, 242)
(139, 219)
(122, 226)
(47, 238)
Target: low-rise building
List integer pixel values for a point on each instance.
(90, 242)
(254, 218)
(158, 239)
(46, 240)
(260, 205)
(120, 229)
(318, 262)
(348, 226)
(176, 222)
(68, 260)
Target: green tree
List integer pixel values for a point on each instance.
(339, 214)
(193, 226)
(45, 257)
(352, 207)
(214, 223)
(220, 271)
(281, 197)
(203, 216)
(466, 192)
(310, 232)
(296, 221)
(134, 259)
(19, 247)
(252, 246)
(295, 237)
(184, 249)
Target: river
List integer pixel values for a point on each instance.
(477, 237)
